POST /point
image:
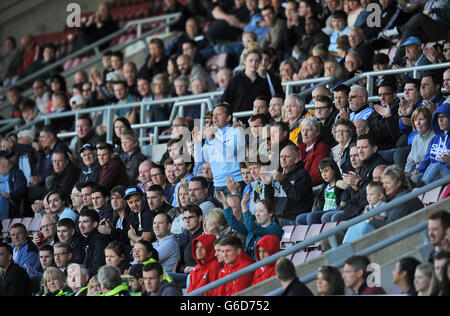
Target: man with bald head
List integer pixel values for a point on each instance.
(377, 172)
(130, 73)
(291, 189)
(358, 43)
(186, 67)
(145, 174)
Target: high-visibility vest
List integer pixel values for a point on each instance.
(116, 290)
(166, 276)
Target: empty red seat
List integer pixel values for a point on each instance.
(313, 254)
(314, 230)
(299, 233)
(286, 239)
(328, 226)
(432, 196)
(299, 257)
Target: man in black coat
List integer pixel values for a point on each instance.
(65, 174)
(14, 280)
(287, 277)
(94, 244)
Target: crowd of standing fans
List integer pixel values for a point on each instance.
(114, 222)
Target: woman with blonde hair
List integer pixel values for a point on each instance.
(425, 280)
(216, 224)
(178, 225)
(246, 84)
(55, 282)
(93, 287)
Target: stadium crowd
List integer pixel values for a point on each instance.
(114, 222)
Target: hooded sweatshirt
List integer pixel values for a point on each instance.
(208, 271)
(271, 244)
(440, 144)
(238, 284)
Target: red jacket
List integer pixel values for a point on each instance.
(208, 272)
(313, 158)
(239, 284)
(112, 174)
(271, 244)
(30, 57)
(446, 193)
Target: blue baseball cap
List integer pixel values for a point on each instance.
(412, 40)
(132, 191)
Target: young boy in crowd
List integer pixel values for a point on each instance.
(339, 23)
(375, 197)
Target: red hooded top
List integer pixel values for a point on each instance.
(238, 284)
(271, 244)
(313, 158)
(203, 274)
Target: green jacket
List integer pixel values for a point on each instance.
(166, 276)
(121, 290)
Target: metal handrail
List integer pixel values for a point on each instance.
(365, 252)
(170, 19)
(328, 234)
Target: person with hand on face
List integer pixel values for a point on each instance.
(140, 219)
(94, 242)
(144, 178)
(47, 234)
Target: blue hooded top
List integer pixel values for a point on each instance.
(440, 144)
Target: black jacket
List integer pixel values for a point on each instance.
(296, 288)
(90, 174)
(385, 131)
(185, 239)
(93, 256)
(132, 163)
(293, 195)
(65, 180)
(77, 247)
(15, 282)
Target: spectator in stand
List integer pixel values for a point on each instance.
(434, 165)
(13, 186)
(47, 234)
(94, 242)
(30, 52)
(64, 175)
(288, 70)
(63, 256)
(67, 233)
(287, 277)
(193, 31)
(265, 247)
(235, 259)
(359, 43)
(86, 190)
(41, 95)
(116, 255)
(178, 225)
(438, 223)
(341, 100)
(214, 152)
(295, 112)
(25, 252)
(85, 135)
(121, 125)
(441, 260)
(199, 195)
(276, 27)
(15, 281)
(312, 37)
(110, 281)
(91, 168)
(77, 198)
(166, 244)
(430, 90)
(94, 287)
(59, 105)
(344, 133)
(58, 84)
(329, 281)
(237, 91)
(132, 155)
(395, 186)
(11, 60)
(356, 274)
(227, 17)
(403, 275)
(144, 178)
(55, 282)
(312, 150)
(339, 25)
(265, 71)
(155, 284)
(100, 200)
(187, 68)
(156, 203)
(425, 282)
(48, 58)
(223, 77)
(193, 218)
(130, 75)
(326, 114)
(118, 227)
(275, 107)
(157, 176)
(329, 198)
(156, 61)
(358, 103)
(77, 279)
(291, 189)
(140, 220)
(207, 269)
(98, 26)
(122, 94)
(56, 201)
(113, 170)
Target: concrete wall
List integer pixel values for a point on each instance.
(37, 16)
(386, 257)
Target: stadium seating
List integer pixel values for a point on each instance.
(286, 239)
(432, 196)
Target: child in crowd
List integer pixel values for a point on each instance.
(329, 199)
(375, 197)
(339, 23)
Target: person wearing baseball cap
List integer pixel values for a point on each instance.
(13, 186)
(136, 280)
(77, 103)
(90, 170)
(140, 219)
